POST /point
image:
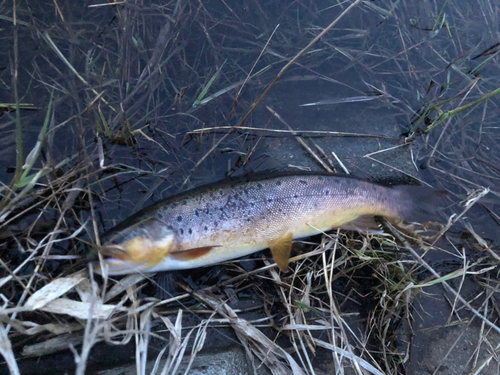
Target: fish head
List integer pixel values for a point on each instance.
(137, 248)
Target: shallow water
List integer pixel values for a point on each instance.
(395, 54)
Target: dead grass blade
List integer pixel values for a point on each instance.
(268, 352)
(177, 345)
(347, 354)
(6, 351)
(142, 341)
(53, 290)
(53, 345)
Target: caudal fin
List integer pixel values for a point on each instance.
(420, 204)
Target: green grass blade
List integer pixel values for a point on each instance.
(446, 115)
(207, 87)
(35, 152)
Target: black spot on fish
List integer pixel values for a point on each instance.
(184, 202)
(181, 230)
(278, 183)
(207, 211)
(327, 192)
(221, 192)
(259, 186)
(269, 200)
(196, 213)
(252, 204)
(179, 218)
(190, 231)
(174, 205)
(320, 178)
(169, 227)
(295, 196)
(216, 223)
(160, 216)
(248, 219)
(303, 182)
(212, 194)
(205, 228)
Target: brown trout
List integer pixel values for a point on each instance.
(217, 223)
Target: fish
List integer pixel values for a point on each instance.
(232, 219)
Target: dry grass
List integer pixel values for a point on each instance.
(119, 105)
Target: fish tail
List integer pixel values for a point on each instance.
(419, 204)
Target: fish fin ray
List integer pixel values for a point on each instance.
(422, 204)
(281, 249)
(191, 253)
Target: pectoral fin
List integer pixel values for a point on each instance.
(191, 253)
(281, 248)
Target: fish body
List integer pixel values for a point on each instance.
(214, 224)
